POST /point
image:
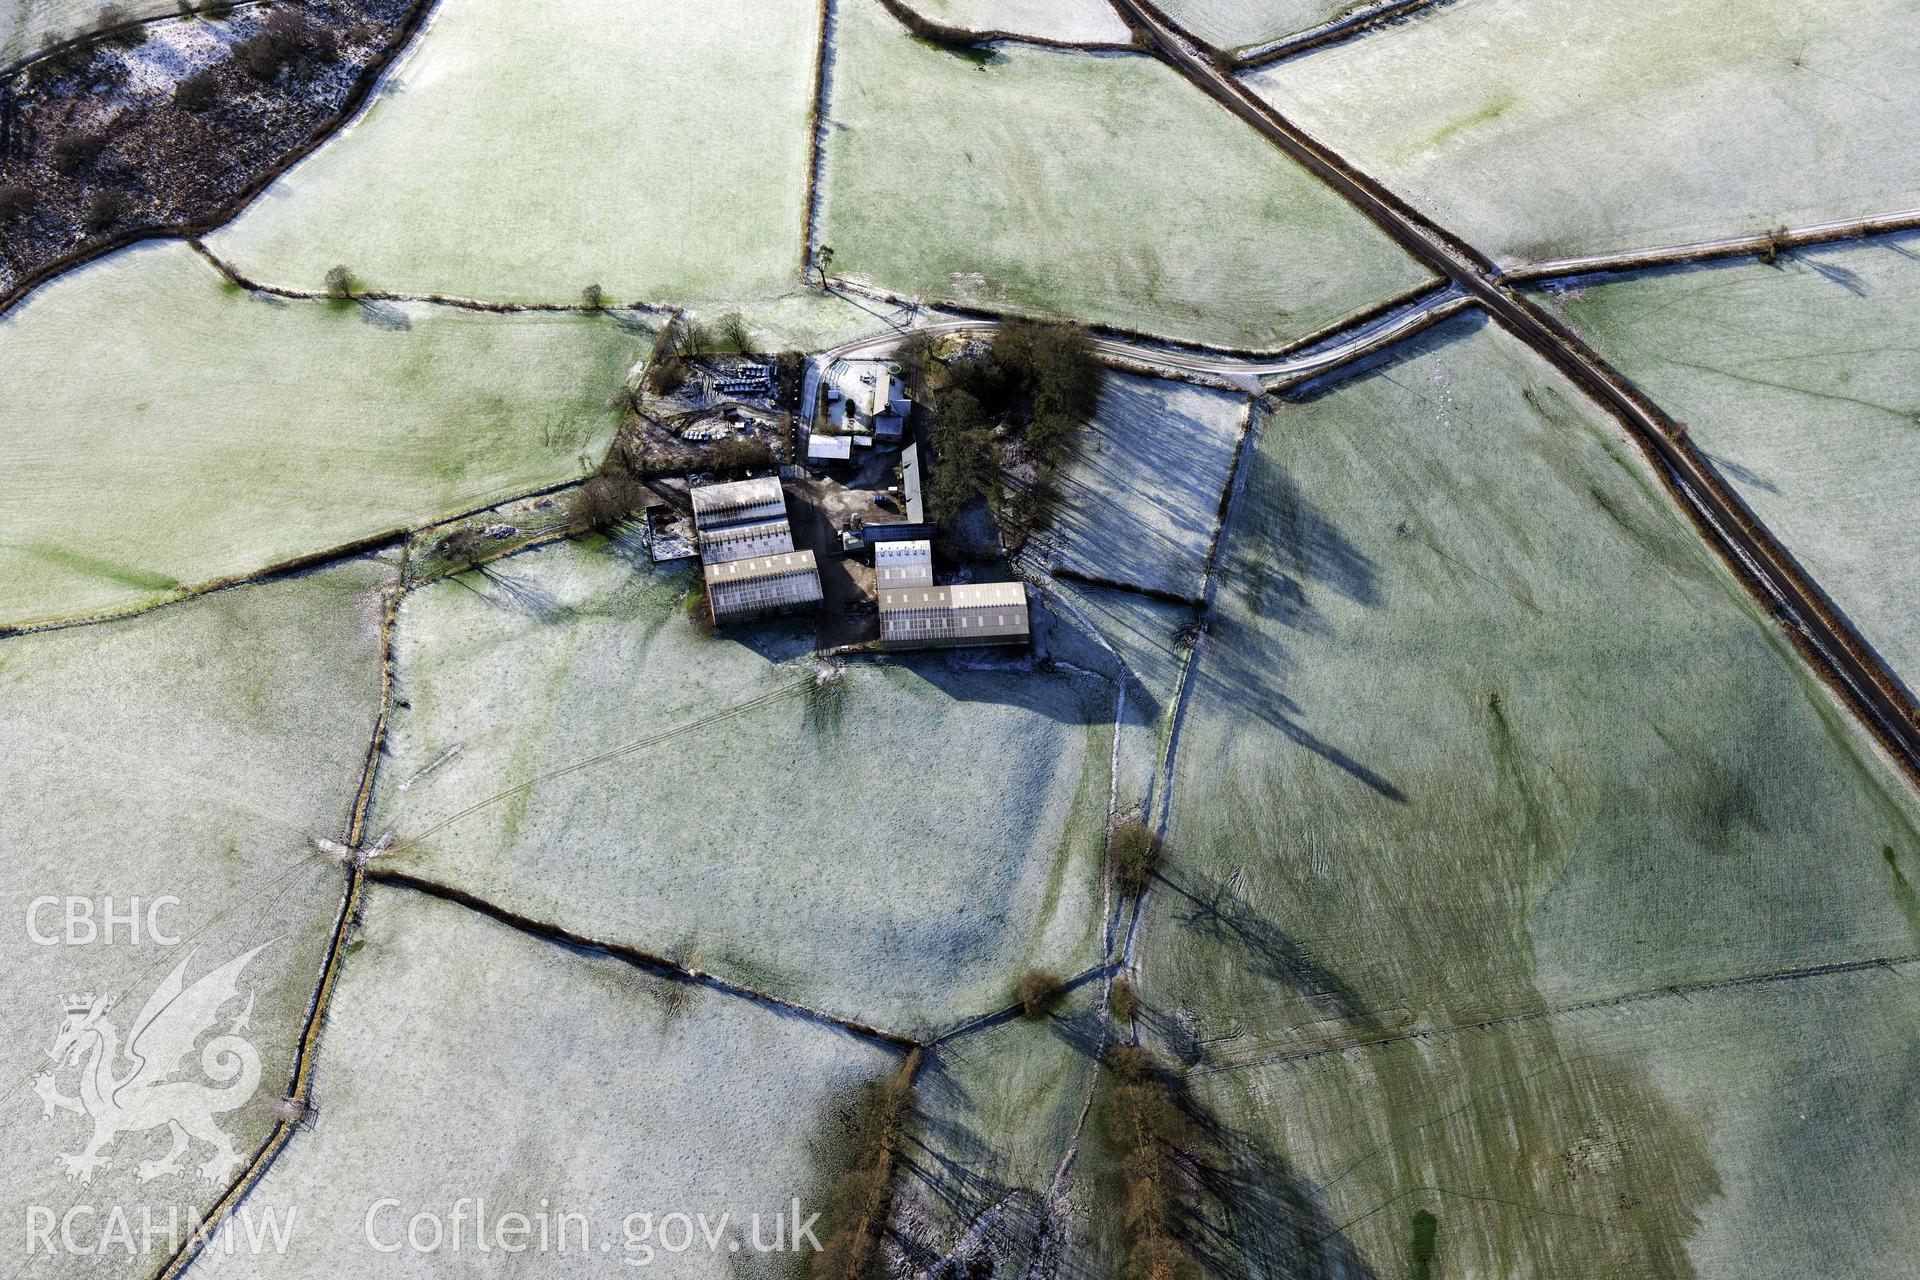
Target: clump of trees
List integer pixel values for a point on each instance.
(857, 1211)
(104, 209)
(684, 339)
(1142, 1114)
(603, 501)
(75, 149)
(288, 38)
(1135, 851)
(1040, 993)
(197, 92)
(1028, 394)
(1124, 1001)
(16, 198)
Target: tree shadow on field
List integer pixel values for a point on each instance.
(1283, 552)
(1218, 913)
(959, 1212)
(382, 315)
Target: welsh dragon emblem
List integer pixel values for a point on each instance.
(134, 1090)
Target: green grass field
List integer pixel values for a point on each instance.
(656, 149)
(164, 429)
(898, 845)
(1483, 732)
(1100, 187)
(192, 754)
(1795, 382)
(1542, 129)
(559, 1084)
(1483, 725)
(1762, 1132)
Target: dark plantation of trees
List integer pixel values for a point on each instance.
(1032, 390)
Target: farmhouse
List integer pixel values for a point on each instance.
(915, 614)
(884, 410)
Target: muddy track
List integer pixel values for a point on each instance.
(1357, 319)
(356, 100)
(1826, 638)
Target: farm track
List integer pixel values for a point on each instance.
(1811, 621)
(1674, 991)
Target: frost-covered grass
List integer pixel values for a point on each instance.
(996, 1113)
(466, 1061)
(1763, 1132)
(1483, 724)
(1798, 381)
(27, 25)
(163, 429)
(1237, 24)
(898, 845)
(1542, 129)
(1080, 21)
(1141, 498)
(1103, 187)
(1140, 644)
(191, 754)
(655, 148)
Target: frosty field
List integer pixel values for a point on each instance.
(1098, 186)
(1140, 498)
(1481, 726)
(164, 429)
(1237, 24)
(26, 25)
(1139, 646)
(1544, 129)
(1080, 21)
(725, 809)
(656, 149)
(1761, 1132)
(192, 754)
(604, 1093)
(1794, 382)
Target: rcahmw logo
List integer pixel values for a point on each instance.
(145, 1083)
